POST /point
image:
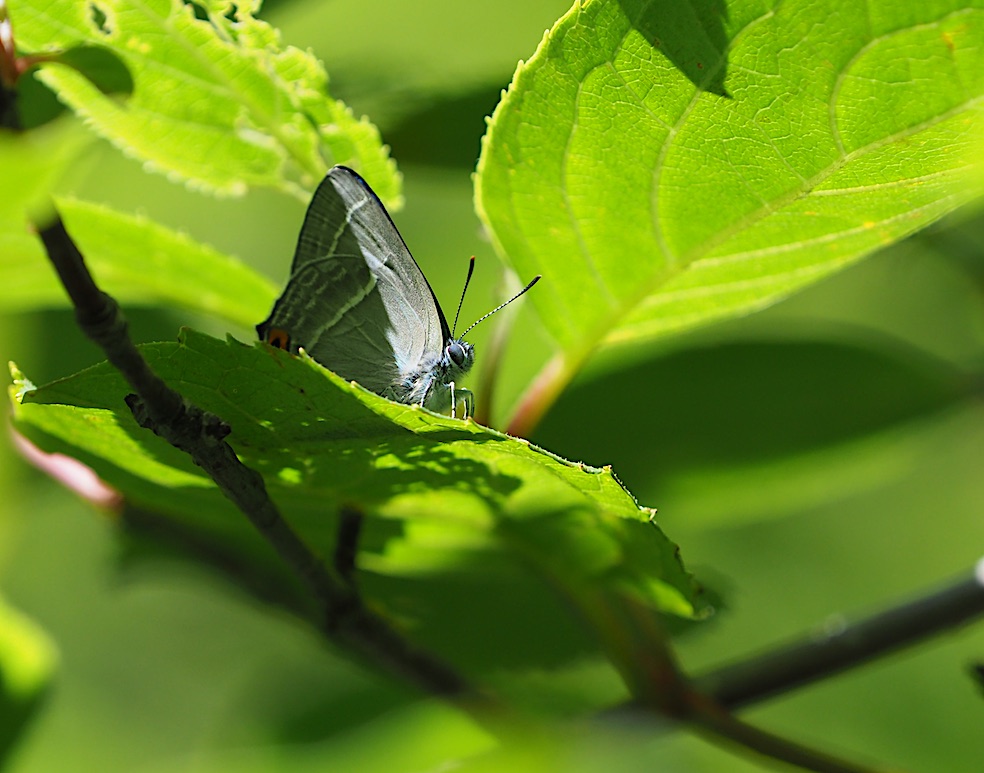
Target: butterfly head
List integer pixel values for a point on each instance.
(460, 353)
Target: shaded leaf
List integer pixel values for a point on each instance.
(103, 69)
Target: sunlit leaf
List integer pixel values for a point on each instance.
(664, 165)
(219, 102)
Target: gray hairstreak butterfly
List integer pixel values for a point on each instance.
(358, 303)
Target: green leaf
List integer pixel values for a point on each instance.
(456, 512)
(28, 661)
(664, 165)
(144, 262)
(32, 163)
(218, 102)
(139, 262)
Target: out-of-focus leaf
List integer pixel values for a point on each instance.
(137, 261)
(27, 663)
(383, 86)
(32, 163)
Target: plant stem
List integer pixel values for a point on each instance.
(721, 724)
(543, 392)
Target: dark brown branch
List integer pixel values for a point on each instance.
(201, 435)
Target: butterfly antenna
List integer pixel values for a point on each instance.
(471, 269)
(501, 306)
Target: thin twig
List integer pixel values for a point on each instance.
(837, 647)
(201, 435)
(845, 645)
(710, 699)
(662, 691)
(722, 725)
(716, 723)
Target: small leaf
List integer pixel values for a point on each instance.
(663, 168)
(219, 102)
(449, 503)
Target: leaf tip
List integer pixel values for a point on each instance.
(21, 383)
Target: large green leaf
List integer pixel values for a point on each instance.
(451, 505)
(219, 102)
(665, 164)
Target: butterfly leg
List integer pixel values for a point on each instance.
(466, 397)
(463, 395)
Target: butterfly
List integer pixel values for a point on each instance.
(358, 303)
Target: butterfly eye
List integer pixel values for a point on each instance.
(457, 353)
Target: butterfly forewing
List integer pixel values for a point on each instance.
(419, 325)
(356, 300)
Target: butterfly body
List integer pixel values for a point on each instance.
(432, 382)
(358, 303)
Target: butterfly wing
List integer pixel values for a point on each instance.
(356, 300)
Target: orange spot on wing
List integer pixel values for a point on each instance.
(278, 337)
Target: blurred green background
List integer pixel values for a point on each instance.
(819, 458)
